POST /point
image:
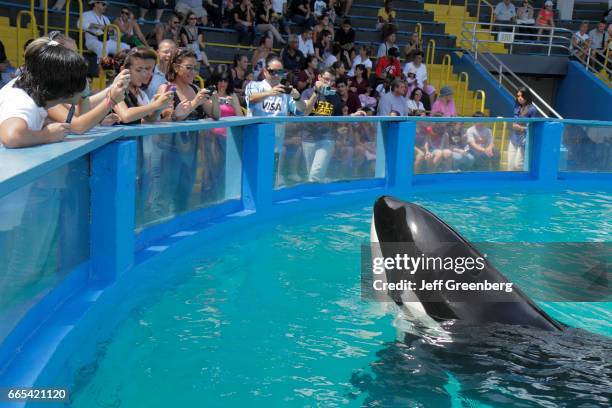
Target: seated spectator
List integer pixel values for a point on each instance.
(421, 147)
(131, 33)
(323, 49)
(394, 100)
(504, 13)
(136, 106)
(184, 7)
(301, 13)
(386, 15)
(525, 13)
(546, 17)
(279, 7)
(441, 157)
(166, 31)
(523, 108)
(412, 47)
(188, 101)
(165, 51)
(345, 36)
(348, 98)
(94, 22)
(482, 148)
(244, 17)
(51, 75)
(146, 5)
(338, 68)
(459, 147)
(343, 7)
(331, 12)
(291, 55)
(323, 24)
(581, 41)
(309, 75)
(342, 56)
(389, 39)
(607, 17)
(258, 61)
(214, 9)
(598, 37)
(193, 39)
(265, 22)
(359, 83)
(445, 104)
(420, 70)
(363, 58)
(389, 66)
(240, 72)
(305, 43)
(414, 103)
(319, 8)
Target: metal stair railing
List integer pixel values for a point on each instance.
(483, 56)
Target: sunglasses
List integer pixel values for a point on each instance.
(125, 13)
(276, 72)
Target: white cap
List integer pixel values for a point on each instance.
(548, 3)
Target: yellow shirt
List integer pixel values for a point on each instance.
(385, 16)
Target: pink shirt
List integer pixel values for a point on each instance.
(545, 17)
(447, 109)
(224, 111)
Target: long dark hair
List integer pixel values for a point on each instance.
(51, 71)
(177, 58)
(527, 96)
(223, 76)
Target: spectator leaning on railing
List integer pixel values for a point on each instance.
(51, 75)
(598, 41)
(581, 41)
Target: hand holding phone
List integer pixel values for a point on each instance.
(70, 113)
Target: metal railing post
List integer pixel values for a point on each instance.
(513, 34)
(18, 36)
(550, 39)
(67, 23)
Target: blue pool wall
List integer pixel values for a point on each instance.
(92, 297)
(581, 95)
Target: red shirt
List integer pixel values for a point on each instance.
(384, 65)
(545, 17)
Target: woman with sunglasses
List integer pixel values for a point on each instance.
(130, 30)
(166, 31)
(192, 39)
(94, 22)
(190, 102)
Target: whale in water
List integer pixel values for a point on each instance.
(418, 232)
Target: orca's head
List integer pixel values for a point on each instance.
(398, 221)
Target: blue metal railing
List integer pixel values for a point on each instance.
(125, 204)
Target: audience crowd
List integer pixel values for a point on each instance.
(319, 70)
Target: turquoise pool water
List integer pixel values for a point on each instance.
(272, 317)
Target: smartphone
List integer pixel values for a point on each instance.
(211, 89)
(70, 113)
(172, 88)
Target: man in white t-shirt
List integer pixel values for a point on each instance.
(305, 42)
(94, 22)
(362, 58)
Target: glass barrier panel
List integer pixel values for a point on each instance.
(328, 152)
(451, 147)
(184, 171)
(44, 234)
(586, 148)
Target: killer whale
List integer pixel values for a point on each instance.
(396, 221)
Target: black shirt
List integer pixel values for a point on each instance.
(330, 105)
(295, 10)
(242, 14)
(292, 62)
(343, 37)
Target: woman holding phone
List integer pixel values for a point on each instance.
(90, 110)
(190, 102)
(136, 106)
